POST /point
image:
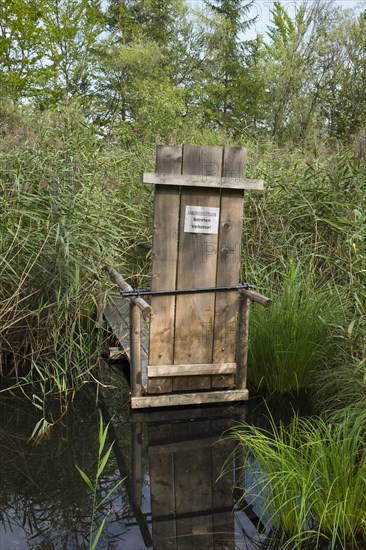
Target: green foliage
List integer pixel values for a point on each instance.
(292, 338)
(61, 196)
(230, 70)
(48, 50)
(341, 386)
(308, 480)
(103, 457)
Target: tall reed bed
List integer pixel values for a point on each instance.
(69, 205)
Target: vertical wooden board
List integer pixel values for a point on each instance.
(223, 494)
(197, 429)
(160, 432)
(193, 499)
(222, 490)
(196, 533)
(136, 466)
(162, 500)
(228, 263)
(196, 268)
(164, 265)
(195, 467)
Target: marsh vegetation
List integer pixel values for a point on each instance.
(74, 139)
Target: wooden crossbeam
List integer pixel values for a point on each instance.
(180, 399)
(191, 370)
(202, 181)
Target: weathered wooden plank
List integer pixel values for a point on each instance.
(162, 499)
(116, 313)
(243, 340)
(190, 370)
(164, 264)
(228, 263)
(136, 463)
(181, 399)
(193, 497)
(203, 181)
(195, 313)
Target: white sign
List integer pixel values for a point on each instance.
(201, 219)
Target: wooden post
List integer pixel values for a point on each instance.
(256, 297)
(135, 345)
(136, 466)
(121, 283)
(242, 342)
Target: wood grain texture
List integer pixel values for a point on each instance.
(228, 263)
(164, 265)
(196, 268)
(123, 285)
(190, 370)
(181, 399)
(203, 181)
(243, 341)
(256, 297)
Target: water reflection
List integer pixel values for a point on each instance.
(172, 496)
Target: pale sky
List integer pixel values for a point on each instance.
(262, 9)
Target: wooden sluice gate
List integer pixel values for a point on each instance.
(186, 337)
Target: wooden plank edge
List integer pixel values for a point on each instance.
(202, 181)
(154, 371)
(181, 399)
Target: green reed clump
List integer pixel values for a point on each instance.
(308, 479)
(340, 386)
(295, 336)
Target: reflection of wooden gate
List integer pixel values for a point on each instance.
(191, 505)
(197, 340)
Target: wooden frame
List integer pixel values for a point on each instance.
(196, 350)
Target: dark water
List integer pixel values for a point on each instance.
(172, 497)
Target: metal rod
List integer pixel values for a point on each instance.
(148, 292)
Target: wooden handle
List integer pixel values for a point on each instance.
(121, 283)
(256, 297)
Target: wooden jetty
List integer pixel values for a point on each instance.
(187, 342)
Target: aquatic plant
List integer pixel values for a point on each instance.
(103, 457)
(294, 337)
(308, 480)
(340, 386)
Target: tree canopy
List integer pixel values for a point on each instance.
(142, 68)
